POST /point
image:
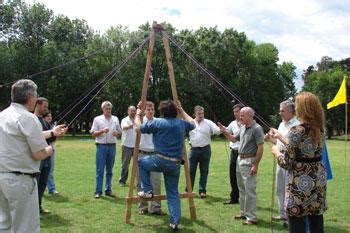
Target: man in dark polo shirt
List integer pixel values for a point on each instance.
(250, 152)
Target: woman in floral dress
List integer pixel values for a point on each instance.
(307, 180)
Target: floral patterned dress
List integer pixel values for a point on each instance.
(307, 179)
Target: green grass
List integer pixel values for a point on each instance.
(75, 209)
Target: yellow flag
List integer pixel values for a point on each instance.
(340, 98)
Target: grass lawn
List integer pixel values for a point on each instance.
(76, 210)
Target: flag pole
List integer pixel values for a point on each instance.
(346, 131)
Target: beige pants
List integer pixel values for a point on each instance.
(247, 188)
(19, 207)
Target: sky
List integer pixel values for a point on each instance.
(302, 30)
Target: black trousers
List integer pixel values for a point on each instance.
(298, 224)
(233, 177)
(45, 166)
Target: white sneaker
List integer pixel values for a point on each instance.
(174, 227)
(145, 195)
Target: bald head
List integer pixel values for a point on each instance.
(247, 115)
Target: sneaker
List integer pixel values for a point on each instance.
(174, 227)
(97, 195)
(143, 211)
(54, 193)
(44, 211)
(203, 195)
(145, 195)
(121, 184)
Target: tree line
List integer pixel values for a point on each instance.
(34, 39)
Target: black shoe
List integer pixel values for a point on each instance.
(240, 217)
(110, 194)
(174, 227)
(230, 202)
(158, 212)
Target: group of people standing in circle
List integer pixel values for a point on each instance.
(301, 175)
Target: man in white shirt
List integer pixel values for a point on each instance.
(128, 143)
(200, 139)
(22, 146)
(234, 128)
(105, 128)
(287, 113)
(147, 148)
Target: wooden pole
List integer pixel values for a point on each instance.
(175, 97)
(138, 135)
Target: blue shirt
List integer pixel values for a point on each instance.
(168, 135)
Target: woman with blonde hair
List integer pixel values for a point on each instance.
(305, 196)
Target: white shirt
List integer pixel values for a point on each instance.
(20, 135)
(234, 128)
(101, 122)
(146, 142)
(200, 136)
(284, 128)
(128, 135)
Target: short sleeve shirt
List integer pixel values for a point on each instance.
(250, 138)
(20, 136)
(101, 122)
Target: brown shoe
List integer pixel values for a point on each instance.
(240, 217)
(249, 222)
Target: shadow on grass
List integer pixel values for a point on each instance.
(54, 220)
(335, 229)
(57, 198)
(119, 200)
(212, 199)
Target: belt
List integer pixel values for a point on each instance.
(25, 174)
(309, 160)
(168, 158)
(199, 147)
(105, 144)
(245, 156)
(146, 152)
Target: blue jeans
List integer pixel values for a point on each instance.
(201, 156)
(171, 171)
(50, 181)
(105, 156)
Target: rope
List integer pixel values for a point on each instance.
(214, 78)
(58, 66)
(105, 81)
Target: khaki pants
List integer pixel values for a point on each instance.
(247, 188)
(19, 207)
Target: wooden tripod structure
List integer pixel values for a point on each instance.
(130, 199)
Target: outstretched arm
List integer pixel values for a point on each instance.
(227, 135)
(182, 112)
